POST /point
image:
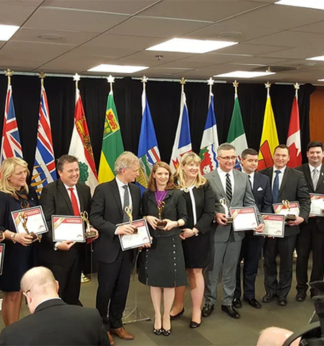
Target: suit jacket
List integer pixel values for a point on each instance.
(319, 189)
(262, 193)
(55, 200)
(56, 323)
(293, 188)
(242, 197)
(106, 213)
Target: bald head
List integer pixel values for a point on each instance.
(274, 336)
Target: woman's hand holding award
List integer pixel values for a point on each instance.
(161, 223)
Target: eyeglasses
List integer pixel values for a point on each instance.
(26, 295)
(228, 158)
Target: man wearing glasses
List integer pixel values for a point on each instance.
(232, 186)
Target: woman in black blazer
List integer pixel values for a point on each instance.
(201, 209)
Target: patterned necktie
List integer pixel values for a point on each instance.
(75, 206)
(126, 203)
(228, 187)
(275, 187)
(315, 178)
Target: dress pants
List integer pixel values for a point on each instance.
(225, 257)
(251, 253)
(113, 284)
(309, 239)
(285, 247)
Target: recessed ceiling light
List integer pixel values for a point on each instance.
(117, 68)
(50, 37)
(320, 80)
(318, 58)
(186, 45)
(316, 4)
(6, 31)
(244, 74)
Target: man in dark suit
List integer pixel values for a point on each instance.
(64, 197)
(252, 244)
(287, 184)
(114, 265)
(232, 185)
(52, 322)
(311, 236)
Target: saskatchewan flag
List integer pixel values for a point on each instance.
(236, 134)
(112, 143)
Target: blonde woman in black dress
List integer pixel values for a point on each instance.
(201, 209)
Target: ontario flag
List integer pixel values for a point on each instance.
(148, 151)
(269, 138)
(293, 140)
(182, 141)
(44, 170)
(10, 146)
(209, 142)
(80, 146)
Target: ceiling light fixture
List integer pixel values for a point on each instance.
(318, 58)
(244, 74)
(7, 31)
(186, 45)
(315, 4)
(117, 68)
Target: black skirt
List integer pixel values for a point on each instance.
(196, 251)
(163, 264)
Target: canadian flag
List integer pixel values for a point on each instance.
(293, 140)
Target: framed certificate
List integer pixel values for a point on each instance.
(2, 252)
(30, 220)
(317, 204)
(274, 226)
(244, 218)
(65, 228)
(139, 238)
(283, 209)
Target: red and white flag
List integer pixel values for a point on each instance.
(293, 140)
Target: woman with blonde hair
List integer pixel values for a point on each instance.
(19, 254)
(162, 266)
(201, 209)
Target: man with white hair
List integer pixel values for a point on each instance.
(52, 322)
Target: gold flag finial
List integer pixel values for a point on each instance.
(182, 82)
(144, 81)
(210, 82)
(42, 75)
(268, 85)
(8, 74)
(235, 85)
(296, 86)
(76, 78)
(111, 80)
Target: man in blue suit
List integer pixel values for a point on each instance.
(252, 244)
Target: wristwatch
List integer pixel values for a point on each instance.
(13, 237)
(195, 233)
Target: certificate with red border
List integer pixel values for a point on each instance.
(274, 226)
(317, 204)
(32, 218)
(244, 219)
(138, 239)
(280, 208)
(68, 228)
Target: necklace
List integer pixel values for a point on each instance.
(186, 188)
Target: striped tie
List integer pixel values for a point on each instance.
(315, 178)
(228, 187)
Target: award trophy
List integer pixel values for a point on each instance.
(161, 206)
(129, 211)
(289, 217)
(229, 219)
(89, 234)
(23, 217)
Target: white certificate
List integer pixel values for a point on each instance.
(139, 238)
(244, 218)
(29, 220)
(317, 205)
(65, 228)
(274, 226)
(282, 209)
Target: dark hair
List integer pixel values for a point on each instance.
(281, 146)
(248, 151)
(65, 159)
(151, 181)
(314, 145)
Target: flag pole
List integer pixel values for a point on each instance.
(111, 80)
(42, 75)
(296, 86)
(8, 74)
(235, 85)
(76, 78)
(268, 85)
(210, 82)
(182, 82)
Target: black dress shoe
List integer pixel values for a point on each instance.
(207, 310)
(230, 310)
(177, 315)
(253, 302)
(300, 296)
(237, 303)
(268, 298)
(194, 324)
(282, 301)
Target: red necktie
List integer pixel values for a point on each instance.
(74, 201)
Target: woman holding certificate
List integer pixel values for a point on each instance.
(162, 266)
(19, 254)
(201, 210)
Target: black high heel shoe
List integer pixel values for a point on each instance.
(157, 331)
(194, 324)
(167, 332)
(177, 315)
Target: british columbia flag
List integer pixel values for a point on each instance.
(10, 146)
(44, 170)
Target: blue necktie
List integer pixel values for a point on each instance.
(275, 188)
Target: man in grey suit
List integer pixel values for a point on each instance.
(234, 186)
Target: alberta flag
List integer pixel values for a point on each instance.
(236, 134)
(10, 146)
(148, 151)
(209, 142)
(182, 141)
(80, 146)
(44, 166)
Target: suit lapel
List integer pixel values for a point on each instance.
(255, 183)
(236, 183)
(320, 179)
(217, 181)
(308, 177)
(284, 179)
(115, 193)
(65, 196)
(80, 198)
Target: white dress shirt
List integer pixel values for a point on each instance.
(282, 170)
(222, 176)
